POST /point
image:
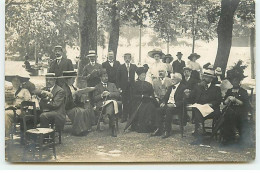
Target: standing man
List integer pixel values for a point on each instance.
(111, 66)
(178, 64)
(125, 79)
(92, 70)
(60, 64)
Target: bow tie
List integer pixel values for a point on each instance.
(105, 85)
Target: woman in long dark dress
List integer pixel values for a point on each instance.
(237, 111)
(144, 101)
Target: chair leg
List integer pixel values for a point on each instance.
(53, 146)
(40, 146)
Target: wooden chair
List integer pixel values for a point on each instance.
(36, 139)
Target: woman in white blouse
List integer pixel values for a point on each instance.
(20, 94)
(196, 68)
(167, 60)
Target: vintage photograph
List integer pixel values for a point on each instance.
(130, 81)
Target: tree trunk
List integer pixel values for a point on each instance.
(88, 34)
(252, 52)
(224, 30)
(114, 33)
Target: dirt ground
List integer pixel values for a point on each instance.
(136, 147)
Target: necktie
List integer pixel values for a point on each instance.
(58, 61)
(104, 85)
(128, 67)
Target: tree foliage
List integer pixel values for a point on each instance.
(40, 23)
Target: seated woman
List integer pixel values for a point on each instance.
(237, 110)
(144, 104)
(82, 119)
(20, 94)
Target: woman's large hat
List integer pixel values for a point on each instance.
(156, 51)
(23, 79)
(167, 56)
(141, 70)
(194, 55)
(237, 71)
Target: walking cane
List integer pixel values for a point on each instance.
(100, 116)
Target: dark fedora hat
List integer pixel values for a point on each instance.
(194, 55)
(179, 53)
(156, 51)
(167, 56)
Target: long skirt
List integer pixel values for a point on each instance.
(82, 120)
(144, 119)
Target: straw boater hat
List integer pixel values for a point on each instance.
(156, 51)
(194, 54)
(167, 56)
(91, 53)
(69, 74)
(58, 47)
(23, 79)
(50, 76)
(218, 71)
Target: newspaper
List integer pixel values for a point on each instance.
(204, 109)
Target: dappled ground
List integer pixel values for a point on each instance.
(134, 147)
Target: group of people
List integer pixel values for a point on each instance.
(148, 98)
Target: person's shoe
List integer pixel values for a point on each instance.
(166, 135)
(157, 132)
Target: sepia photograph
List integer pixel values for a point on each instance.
(130, 81)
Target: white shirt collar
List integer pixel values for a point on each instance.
(92, 63)
(59, 58)
(52, 88)
(176, 86)
(179, 60)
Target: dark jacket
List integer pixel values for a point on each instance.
(56, 104)
(69, 101)
(111, 71)
(210, 96)
(64, 65)
(93, 78)
(122, 76)
(111, 87)
(178, 67)
(190, 84)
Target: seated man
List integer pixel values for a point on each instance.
(105, 98)
(187, 80)
(171, 105)
(205, 92)
(52, 104)
(161, 84)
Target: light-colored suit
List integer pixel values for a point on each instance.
(160, 87)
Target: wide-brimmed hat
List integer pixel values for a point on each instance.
(167, 56)
(156, 51)
(69, 74)
(141, 70)
(179, 53)
(91, 53)
(50, 76)
(194, 55)
(23, 79)
(237, 71)
(187, 68)
(209, 72)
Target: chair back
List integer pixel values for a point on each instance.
(27, 115)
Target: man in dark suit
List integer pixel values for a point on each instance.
(111, 66)
(52, 103)
(178, 64)
(171, 106)
(60, 64)
(187, 80)
(92, 70)
(205, 92)
(124, 81)
(106, 95)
